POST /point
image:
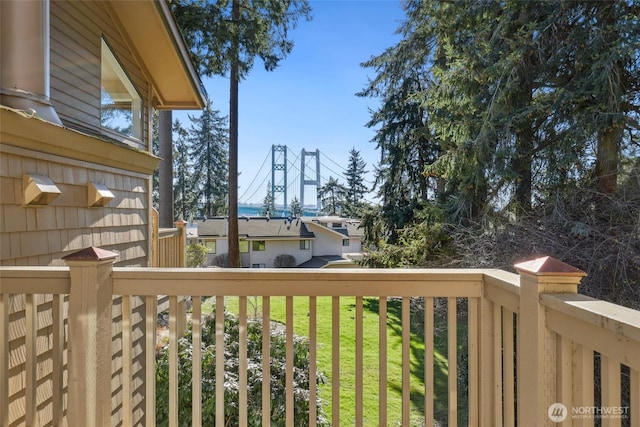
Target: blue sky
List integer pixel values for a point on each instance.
(309, 101)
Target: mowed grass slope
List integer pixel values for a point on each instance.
(371, 376)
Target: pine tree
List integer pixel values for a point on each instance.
(333, 196)
(226, 36)
(355, 177)
(184, 186)
(269, 203)
(208, 139)
(295, 208)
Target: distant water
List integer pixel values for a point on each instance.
(252, 210)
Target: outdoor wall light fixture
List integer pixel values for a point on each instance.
(98, 195)
(39, 190)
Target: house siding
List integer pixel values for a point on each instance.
(273, 248)
(76, 32)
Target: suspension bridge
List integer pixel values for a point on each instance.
(288, 175)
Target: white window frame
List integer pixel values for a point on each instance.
(126, 95)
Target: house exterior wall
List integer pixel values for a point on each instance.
(327, 242)
(77, 29)
(43, 235)
(273, 248)
(355, 245)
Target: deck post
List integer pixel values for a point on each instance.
(536, 363)
(90, 316)
(181, 225)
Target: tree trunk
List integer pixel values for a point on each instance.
(607, 159)
(165, 170)
(232, 238)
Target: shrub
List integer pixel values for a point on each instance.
(196, 255)
(231, 378)
(284, 261)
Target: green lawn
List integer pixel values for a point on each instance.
(370, 350)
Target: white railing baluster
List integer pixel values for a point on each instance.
(173, 361)
(508, 368)
(126, 361)
(220, 402)
(452, 356)
(382, 360)
(497, 363)
(474, 362)
(196, 383)
(610, 386)
(4, 359)
(242, 361)
(31, 317)
(289, 362)
(335, 361)
(428, 360)
(57, 358)
(151, 316)
(266, 361)
(634, 397)
(359, 363)
(406, 360)
(313, 365)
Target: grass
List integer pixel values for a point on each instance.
(370, 363)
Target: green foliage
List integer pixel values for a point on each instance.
(333, 196)
(231, 377)
(284, 261)
(295, 208)
(196, 255)
(217, 39)
(208, 142)
(269, 203)
(185, 196)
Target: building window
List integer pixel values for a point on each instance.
(120, 104)
(305, 245)
(258, 245)
(345, 242)
(211, 246)
(258, 266)
(244, 246)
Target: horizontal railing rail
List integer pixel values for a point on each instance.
(473, 347)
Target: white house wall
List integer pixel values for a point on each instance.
(273, 248)
(327, 242)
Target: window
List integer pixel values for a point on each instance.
(244, 246)
(211, 246)
(345, 242)
(258, 245)
(120, 104)
(305, 245)
(258, 266)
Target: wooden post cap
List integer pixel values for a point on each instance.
(548, 266)
(91, 253)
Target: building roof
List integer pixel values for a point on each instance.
(156, 39)
(253, 228)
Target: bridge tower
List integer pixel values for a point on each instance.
(303, 177)
(279, 167)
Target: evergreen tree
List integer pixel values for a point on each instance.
(295, 208)
(184, 187)
(208, 139)
(269, 203)
(333, 196)
(226, 36)
(355, 177)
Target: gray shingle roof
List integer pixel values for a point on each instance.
(255, 227)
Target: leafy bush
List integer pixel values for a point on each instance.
(284, 261)
(231, 377)
(196, 255)
(221, 260)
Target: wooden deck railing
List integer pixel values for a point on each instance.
(168, 244)
(527, 345)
